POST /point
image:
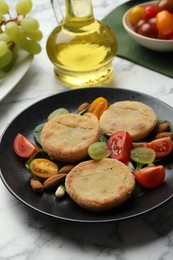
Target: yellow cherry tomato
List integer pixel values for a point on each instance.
(98, 106)
(43, 168)
(136, 14)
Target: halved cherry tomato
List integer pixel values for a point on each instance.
(150, 177)
(164, 22)
(98, 106)
(120, 144)
(43, 168)
(23, 147)
(162, 146)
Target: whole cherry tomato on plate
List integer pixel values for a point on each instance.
(120, 144)
(23, 147)
(150, 177)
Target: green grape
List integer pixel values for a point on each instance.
(3, 48)
(11, 28)
(6, 59)
(142, 155)
(5, 37)
(23, 7)
(4, 8)
(1, 17)
(58, 112)
(19, 38)
(36, 35)
(29, 24)
(11, 63)
(98, 150)
(31, 46)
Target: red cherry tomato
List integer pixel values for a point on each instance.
(165, 5)
(164, 22)
(151, 10)
(147, 29)
(150, 177)
(162, 146)
(169, 36)
(120, 144)
(98, 106)
(23, 147)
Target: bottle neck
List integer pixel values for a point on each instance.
(79, 11)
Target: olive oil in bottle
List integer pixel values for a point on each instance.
(82, 48)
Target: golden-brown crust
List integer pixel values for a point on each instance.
(100, 185)
(132, 116)
(66, 137)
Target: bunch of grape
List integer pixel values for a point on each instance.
(19, 32)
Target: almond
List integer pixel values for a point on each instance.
(164, 134)
(54, 180)
(82, 107)
(66, 168)
(36, 185)
(162, 127)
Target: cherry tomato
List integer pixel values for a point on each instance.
(98, 106)
(152, 21)
(169, 36)
(150, 177)
(164, 22)
(43, 168)
(162, 146)
(151, 10)
(23, 147)
(147, 29)
(136, 13)
(120, 144)
(165, 5)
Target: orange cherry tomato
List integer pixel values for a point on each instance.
(23, 147)
(43, 168)
(98, 106)
(164, 22)
(136, 14)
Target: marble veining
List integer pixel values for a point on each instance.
(26, 234)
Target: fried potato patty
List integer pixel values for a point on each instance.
(100, 185)
(66, 137)
(135, 117)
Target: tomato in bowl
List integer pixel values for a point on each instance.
(150, 25)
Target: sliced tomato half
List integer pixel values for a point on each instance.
(162, 146)
(150, 177)
(120, 144)
(23, 147)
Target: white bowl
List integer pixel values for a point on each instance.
(150, 43)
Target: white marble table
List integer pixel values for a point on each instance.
(26, 234)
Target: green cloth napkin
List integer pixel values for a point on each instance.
(127, 48)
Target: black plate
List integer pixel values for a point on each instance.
(16, 178)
